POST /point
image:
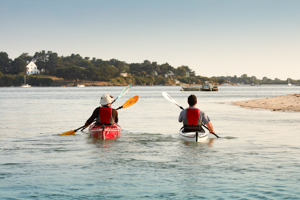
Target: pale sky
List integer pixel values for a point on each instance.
(213, 37)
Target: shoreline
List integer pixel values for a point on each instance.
(289, 102)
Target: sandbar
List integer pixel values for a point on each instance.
(290, 102)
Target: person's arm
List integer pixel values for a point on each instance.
(210, 127)
(206, 121)
(115, 115)
(181, 116)
(92, 117)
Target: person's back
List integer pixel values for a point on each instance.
(104, 115)
(192, 117)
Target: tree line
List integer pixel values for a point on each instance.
(76, 68)
(245, 79)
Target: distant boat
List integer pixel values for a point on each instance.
(25, 85)
(191, 88)
(289, 84)
(80, 85)
(252, 84)
(206, 87)
(226, 84)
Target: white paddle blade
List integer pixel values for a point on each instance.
(124, 91)
(168, 97)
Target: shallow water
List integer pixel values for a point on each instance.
(256, 156)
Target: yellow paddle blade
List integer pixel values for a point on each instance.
(130, 101)
(68, 133)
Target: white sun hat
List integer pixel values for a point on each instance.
(106, 99)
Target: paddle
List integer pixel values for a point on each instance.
(124, 91)
(168, 97)
(129, 102)
(72, 132)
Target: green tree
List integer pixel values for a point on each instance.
(18, 80)
(135, 69)
(109, 71)
(244, 78)
(181, 71)
(62, 73)
(192, 73)
(4, 62)
(18, 66)
(166, 68)
(53, 63)
(148, 68)
(91, 73)
(45, 81)
(26, 57)
(6, 80)
(74, 73)
(41, 58)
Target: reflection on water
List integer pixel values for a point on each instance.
(256, 156)
(208, 143)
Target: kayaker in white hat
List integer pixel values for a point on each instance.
(104, 114)
(192, 117)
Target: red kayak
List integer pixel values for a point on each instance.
(110, 132)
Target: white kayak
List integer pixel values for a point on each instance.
(193, 136)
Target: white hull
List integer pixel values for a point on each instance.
(26, 86)
(193, 136)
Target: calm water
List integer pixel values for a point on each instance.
(257, 156)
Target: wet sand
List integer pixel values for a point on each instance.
(290, 102)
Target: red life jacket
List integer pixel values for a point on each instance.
(193, 119)
(105, 116)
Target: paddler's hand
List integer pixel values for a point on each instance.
(210, 128)
(85, 125)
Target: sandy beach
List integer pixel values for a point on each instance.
(290, 102)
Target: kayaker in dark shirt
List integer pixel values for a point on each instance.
(104, 114)
(193, 118)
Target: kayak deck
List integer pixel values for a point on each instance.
(110, 132)
(201, 137)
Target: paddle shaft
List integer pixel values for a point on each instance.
(71, 132)
(79, 128)
(124, 91)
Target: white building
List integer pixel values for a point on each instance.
(169, 74)
(188, 74)
(124, 74)
(177, 81)
(32, 69)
